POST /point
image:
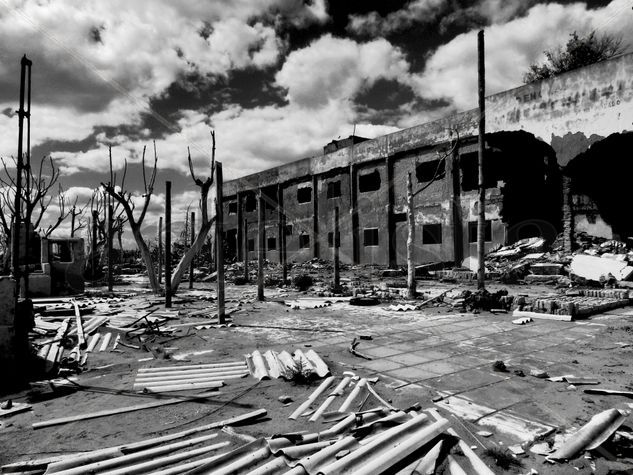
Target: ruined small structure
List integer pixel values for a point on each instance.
(538, 136)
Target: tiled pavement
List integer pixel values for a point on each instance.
(452, 355)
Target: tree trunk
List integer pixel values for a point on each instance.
(187, 258)
(411, 293)
(147, 258)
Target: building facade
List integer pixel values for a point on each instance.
(543, 143)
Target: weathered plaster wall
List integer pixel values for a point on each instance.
(326, 216)
(299, 215)
(372, 213)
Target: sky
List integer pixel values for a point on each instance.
(275, 79)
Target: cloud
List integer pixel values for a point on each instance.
(416, 11)
(337, 69)
(97, 63)
(485, 12)
(450, 72)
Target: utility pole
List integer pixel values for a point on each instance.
(219, 240)
(168, 244)
(481, 221)
(335, 243)
(160, 249)
(193, 239)
(22, 114)
(261, 242)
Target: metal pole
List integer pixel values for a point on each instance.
(110, 275)
(193, 239)
(168, 244)
(219, 240)
(245, 234)
(481, 222)
(160, 249)
(335, 242)
(260, 245)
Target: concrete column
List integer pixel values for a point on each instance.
(240, 223)
(315, 217)
(391, 225)
(457, 226)
(219, 240)
(261, 244)
(353, 182)
(168, 244)
(281, 232)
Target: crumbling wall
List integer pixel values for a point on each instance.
(602, 173)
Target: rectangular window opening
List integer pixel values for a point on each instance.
(330, 239)
(233, 207)
(333, 189)
(432, 234)
(399, 217)
(288, 229)
(304, 241)
(427, 171)
(272, 244)
(250, 203)
(304, 195)
(251, 245)
(370, 237)
(369, 182)
(472, 231)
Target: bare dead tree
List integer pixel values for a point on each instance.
(36, 198)
(77, 217)
(411, 286)
(206, 224)
(125, 200)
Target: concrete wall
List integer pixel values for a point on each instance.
(569, 113)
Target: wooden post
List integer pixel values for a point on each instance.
(168, 244)
(219, 240)
(335, 239)
(95, 219)
(245, 244)
(110, 275)
(261, 242)
(160, 249)
(193, 238)
(411, 293)
(481, 221)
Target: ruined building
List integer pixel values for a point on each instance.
(557, 160)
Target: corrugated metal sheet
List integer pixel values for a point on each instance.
(273, 365)
(362, 443)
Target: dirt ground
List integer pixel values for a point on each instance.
(421, 356)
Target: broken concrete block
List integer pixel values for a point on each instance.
(539, 374)
(546, 268)
(593, 268)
